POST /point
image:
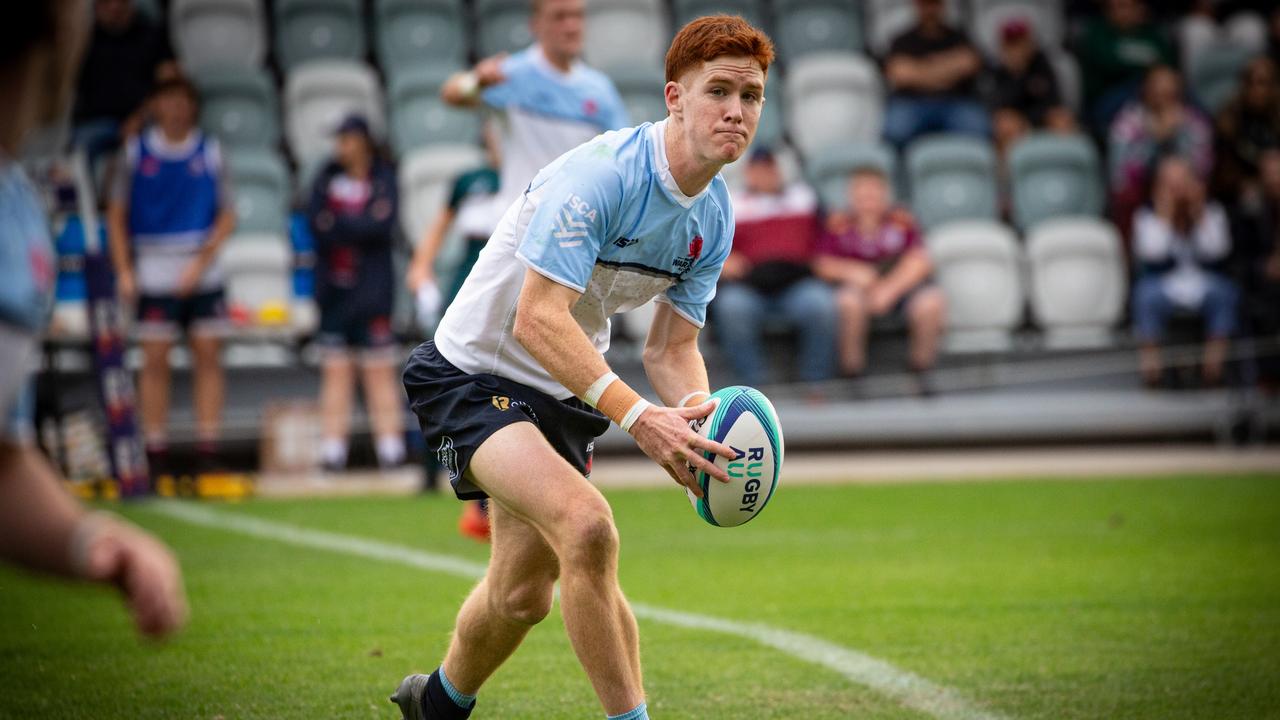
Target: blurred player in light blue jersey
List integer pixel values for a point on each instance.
(514, 390)
(548, 103)
(41, 526)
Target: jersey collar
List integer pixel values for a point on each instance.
(658, 137)
(161, 146)
(540, 59)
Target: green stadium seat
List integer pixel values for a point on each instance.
(753, 11)
(1215, 74)
(414, 33)
(309, 30)
(830, 169)
(261, 183)
(1052, 174)
(952, 177)
(812, 26)
(772, 125)
(502, 26)
(218, 33)
(240, 107)
(641, 91)
(419, 117)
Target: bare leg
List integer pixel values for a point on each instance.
(520, 471)
(209, 386)
(926, 316)
(853, 330)
(1215, 357)
(514, 595)
(384, 397)
(1149, 363)
(337, 384)
(153, 388)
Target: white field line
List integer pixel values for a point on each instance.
(908, 689)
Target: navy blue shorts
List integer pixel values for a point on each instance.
(168, 317)
(458, 412)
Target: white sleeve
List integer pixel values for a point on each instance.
(1212, 235)
(1152, 237)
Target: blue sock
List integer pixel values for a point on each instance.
(463, 701)
(638, 713)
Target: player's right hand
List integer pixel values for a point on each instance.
(664, 435)
(145, 571)
(126, 286)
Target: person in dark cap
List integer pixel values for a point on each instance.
(1022, 89)
(352, 214)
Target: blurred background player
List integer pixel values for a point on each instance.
(352, 212)
(875, 257)
(41, 526)
(171, 208)
(515, 389)
(548, 102)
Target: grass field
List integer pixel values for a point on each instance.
(1154, 598)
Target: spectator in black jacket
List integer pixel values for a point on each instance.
(352, 213)
(1022, 89)
(126, 55)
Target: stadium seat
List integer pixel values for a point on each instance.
(1077, 281)
(426, 177)
(642, 22)
(978, 265)
(952, 177)
(1215, 74)
(261, 183)
(830, 169)
(772, 124)
(1052, 174)
(318, 95)
(308, 30)
(239, 106)
(986, 17)
(218, 33)
(419, 33)
(259, 271)
(641, 89)
(419, 117)
(812, 26)
(752, 11)
(149, 8)
(887, 19)
(833, 98)
(502, 26)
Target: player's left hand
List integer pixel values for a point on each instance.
(145, 571)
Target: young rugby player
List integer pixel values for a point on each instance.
(515, 388)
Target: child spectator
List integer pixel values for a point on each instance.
(932, 71)
(1022, 88)
(767, 276)
(352, 212)
(170, 210)
(1181, 244)
(874, 256)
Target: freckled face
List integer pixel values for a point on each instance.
(720, 104)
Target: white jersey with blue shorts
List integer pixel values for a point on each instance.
(608, 220)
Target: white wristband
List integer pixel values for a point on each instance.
(593, 393)
(690, 396)
(83, 536)
(469, 84)
(634, 414)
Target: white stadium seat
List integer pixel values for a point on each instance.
(1077, 281)
(833, 98)
(986, 17)
(642, 22)
(978, 265)
(426, 176)
(218, 33)
(259, 270)
(318, 95)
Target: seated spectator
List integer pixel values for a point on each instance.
(1247, 126)
(127, 54)
(171, 208)
(767, 276)
(1258, 264)
(1115, 52)
(1180, 245)
(931, 70)
(1159, 123)
(874, 256)
(352, 212)
(1023, 89)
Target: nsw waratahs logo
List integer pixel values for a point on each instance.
(682, 264)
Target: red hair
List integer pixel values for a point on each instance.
(710, 37)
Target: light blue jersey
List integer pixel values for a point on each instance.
(608, 220)
(546, 113)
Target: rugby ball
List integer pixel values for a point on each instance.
(745, 420)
